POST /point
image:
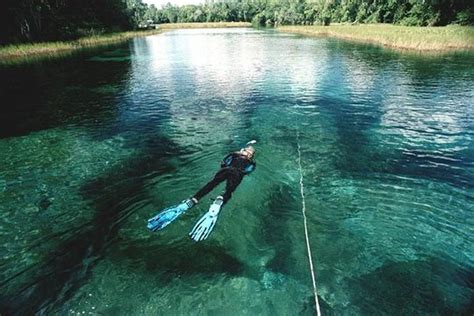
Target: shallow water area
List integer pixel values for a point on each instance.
(94, 145)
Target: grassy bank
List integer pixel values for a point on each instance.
(423, 39)
(23, 52)
(17, 53)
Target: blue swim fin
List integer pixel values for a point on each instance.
(206, 223)
(165, 217)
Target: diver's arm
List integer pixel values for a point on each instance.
(250, 167)
(227, 160)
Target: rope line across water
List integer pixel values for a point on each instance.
(303, 211)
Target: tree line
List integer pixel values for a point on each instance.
(48, 20)
(308, 12)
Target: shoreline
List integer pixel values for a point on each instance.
(204, 25)
(18, 53)
(423, 40)
(446, 39)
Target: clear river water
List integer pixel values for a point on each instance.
(94, 144)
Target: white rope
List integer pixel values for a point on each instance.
(303, 210)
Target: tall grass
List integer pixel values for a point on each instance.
(449, 38)
(13, 53)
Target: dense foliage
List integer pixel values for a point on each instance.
(44, 20)
(281, 12)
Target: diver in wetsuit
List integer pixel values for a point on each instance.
(233, 169)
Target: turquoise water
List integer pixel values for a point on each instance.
(95, 144)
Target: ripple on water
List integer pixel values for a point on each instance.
(386, 143)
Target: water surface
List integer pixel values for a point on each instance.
(95, 144)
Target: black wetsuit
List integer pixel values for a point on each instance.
(233, 169)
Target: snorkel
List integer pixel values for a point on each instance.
(248, 150)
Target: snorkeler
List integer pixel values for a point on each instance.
(233, 169)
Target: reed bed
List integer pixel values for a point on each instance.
(13, 53)
(424, 39)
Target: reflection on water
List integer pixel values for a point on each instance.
(94, 145)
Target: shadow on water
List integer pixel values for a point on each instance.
(171, 261)
(50, 98)
(274, 228)
(355, 116)
(408, 288)
(377, 55)
(72, 260)
(418, 164)
(46, 95)
(275, 232)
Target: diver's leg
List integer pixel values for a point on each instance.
(220, 176)
(233, 181)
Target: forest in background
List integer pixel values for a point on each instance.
(51, 20)
(322, 12)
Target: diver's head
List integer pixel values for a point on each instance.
(248, 151)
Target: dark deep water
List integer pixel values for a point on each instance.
(93, 145)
